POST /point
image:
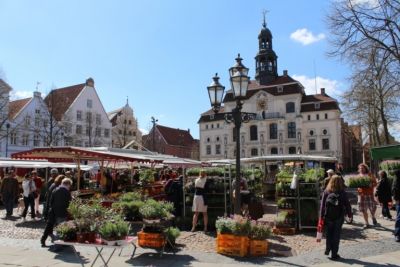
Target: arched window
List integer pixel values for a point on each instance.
(274, 151)
(292, 150)
(253, 133)
(273, 131)
(289, 107)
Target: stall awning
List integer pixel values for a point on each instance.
(69, 154)
(290, 157)
(385, 152)
(37, 164)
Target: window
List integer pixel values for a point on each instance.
(98, 119)
(218, 149)
(326, 116)
(89, 103)
(36, 141)
(208, 139)
(134, 133)
(217, 138)
(37, 121)
(78, 129)
(78, 115)
(309, 117)
(273, 131)
(98, 132)
(212, 126)
(208, 150)
(254, 152)
(274, 151)
(291, 130)
(311, 145)
(130, 122)
(317, 116)
(324, 132)
(280, 89)
(317, 105)
(37, 111)
(25, 140)
(89, 117)
(311, 132)
(106, 133)
(325, 144)
(217, 125)
(27, 120)
(289, 107)
(292, 150)
(253, 133)
(13, 138)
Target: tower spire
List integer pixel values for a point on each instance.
(127, 101)
(264, 12)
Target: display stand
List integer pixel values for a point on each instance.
(311, 195)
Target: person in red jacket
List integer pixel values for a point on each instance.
(366, 199)
(39, 184)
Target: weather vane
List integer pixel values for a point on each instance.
(264, 12)
(37, 86)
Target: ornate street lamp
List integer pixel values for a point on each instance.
(239, 82)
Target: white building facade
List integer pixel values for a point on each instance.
(287, 120)
(81, 115)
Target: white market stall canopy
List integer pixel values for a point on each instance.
(289, 157)
(5, 162)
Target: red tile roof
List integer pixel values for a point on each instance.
(61, 99)
(290, 86)
(176, 137)
(16, 106)
(325, 101)
(317, 98)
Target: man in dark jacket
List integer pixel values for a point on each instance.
(9, 192)
(383, 194)
(59, 202)
(396, 196)
(53, 176)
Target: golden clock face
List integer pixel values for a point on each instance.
(262, 104)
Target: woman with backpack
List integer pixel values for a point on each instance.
(334, 205)
(383, 193)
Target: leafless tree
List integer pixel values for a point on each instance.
(354, 25)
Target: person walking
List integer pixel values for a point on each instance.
(384, 195)
(29, 192)
(53, 176)
(59, 202)
(39, 184)
(366, 199)
(334, 205)
(9, 191)
(200, 200)
(325, 183)
(396, 197)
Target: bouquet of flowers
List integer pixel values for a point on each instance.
(358, 181)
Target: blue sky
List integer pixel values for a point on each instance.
(161, 54)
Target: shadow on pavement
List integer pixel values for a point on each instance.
(364, 263)
(66, 254)
(154, 259)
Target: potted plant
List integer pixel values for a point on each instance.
(172, 233)
(259, 233)
(358, 181)
(153, 211)
(67, 231)
(114, 232)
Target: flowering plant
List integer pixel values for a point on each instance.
(259, 231)
(358, 181)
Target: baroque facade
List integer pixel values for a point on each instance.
(125, 128)
(287, 120)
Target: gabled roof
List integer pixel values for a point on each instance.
(61, 99)
(175, 137)
(325, 103)
(289, 85)
(16, 106)
(4, 86)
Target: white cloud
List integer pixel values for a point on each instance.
(306, 37)
(370, 3)
(395, 130)
(14, 95)
(331, 86)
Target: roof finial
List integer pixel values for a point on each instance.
(127, 101)
(264, 12)
(37, 86)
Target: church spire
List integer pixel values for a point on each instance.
(266, 59)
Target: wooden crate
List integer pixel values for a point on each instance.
(258, 247)
(284, 231)
(151, 240)
(232, 245)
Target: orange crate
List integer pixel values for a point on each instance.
(258, 248)
(152, 240)
(232, 245)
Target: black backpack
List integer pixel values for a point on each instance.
(333, 207)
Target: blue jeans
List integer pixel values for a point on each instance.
(8, 202)
(333, 231)
(397, 224)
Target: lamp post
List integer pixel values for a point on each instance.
(153, 121)
(239, 82)
(8, 128)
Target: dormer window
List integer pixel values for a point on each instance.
(280, 89)
(317, 105)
